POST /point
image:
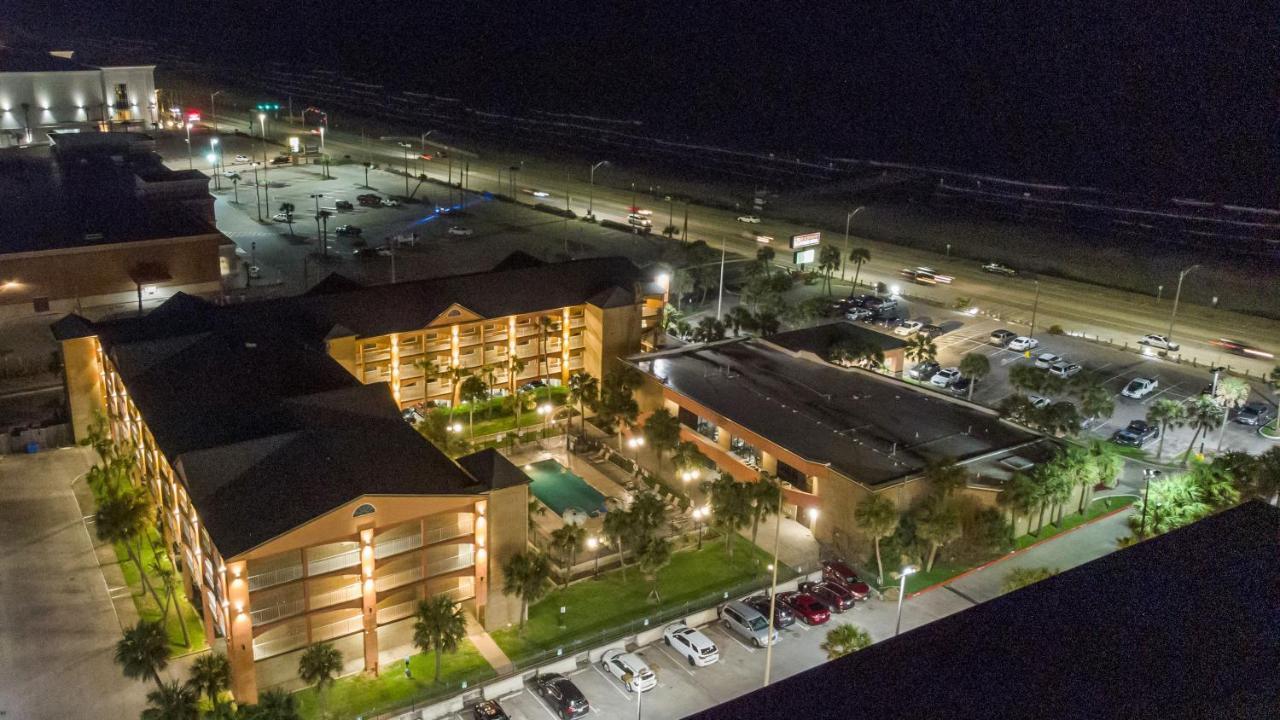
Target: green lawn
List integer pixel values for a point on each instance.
(1099, 506)
(491, 417)
(922, 579)
(694, 580)
(146, 605)
(365, 696)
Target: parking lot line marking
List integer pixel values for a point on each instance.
(613, 682)
(680, 662)
(542, 703)
(734, 636)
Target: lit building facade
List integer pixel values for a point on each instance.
(42, 92)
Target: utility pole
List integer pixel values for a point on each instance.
(845, 257)
(1176, 297)
(323, 249)
(257, 194)
(1034, 307)
(684, 234)
(213, 110)
(720, 298)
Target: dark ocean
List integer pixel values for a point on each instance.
(1169, 98)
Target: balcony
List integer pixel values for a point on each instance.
(439, 346)
(267, 577)
(553, 346)
(334, 562)
(577, 322)
(276, 611)
(396, 579)
(335, 596)
(396, 612)
(376, 375)
(461, 528)
(526, 330)
(276, 646)
(337, 629)
(466, 558)
(575, 363)
(576, 341)
(395, 546)
(369, 356)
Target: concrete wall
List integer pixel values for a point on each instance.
(74, 98)
(508, 521)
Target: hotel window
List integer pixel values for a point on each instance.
(122, 96)
(793, 477)
(706, 428)
(745, 451)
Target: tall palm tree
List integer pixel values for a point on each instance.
(739, 318)
(920, 349)
(490, 375)
(162, 568)
(828, 263)
(1020, 496)
(473, 391)
(584, 390)
(617, 526)
(662, 432)
(211, 675)
(143, 651)
(525, 576)
(730, 507)
(1203, 415)
(974, 366)
(172, 701)
(1106, 465)
(545, 324)
(457, 374)
(1095, 400)
(766, 500)
(123, 518)
(439, 627)
(1166, 414)
(946, 477)
(319, 666)
(938, 525)
(878, 517)
(566, 541)
(844, 639)
(653, 555)
(858, 256)
(287, 209)
(1231, 393)
(765, 256)
(1264, 475)
(275, 704)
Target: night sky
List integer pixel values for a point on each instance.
(1168, 98)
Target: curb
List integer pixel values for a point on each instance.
(1014, 553)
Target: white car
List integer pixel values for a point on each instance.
(541, 194)
(243, 159)
(1159, 341)
(459, 231)
(692, 644)
(630, 669)
(1039, 401)
(944, 377)
(1044, 360)
(910, 327)
(857, 314)
(282, 217)
(753, 219)
(1140, 387)
(1023, 343)
(388, 202)
(1064, 369)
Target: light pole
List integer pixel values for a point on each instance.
(257, 193)
(213, 109)
(545, 411)
(262, 127)
(902, 593)
(423, 140)
(1176, 297)
(670, 219)
(405, 146)
(845, 257)
(591, 188)
(594, 546)
(213, 163)
(1035, 306)
(698, 515)
(323, 249)
(720, 295)
(1147, 474)
(635, 442)
(773, 591)
(190, 162)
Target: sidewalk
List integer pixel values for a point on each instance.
(497, 659)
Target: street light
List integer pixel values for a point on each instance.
(1147, 474)
(262, 125)
(845, 256)
(190, 163)
(1177, 296)
(902, 593)
(213, 162)
(594, 546)
(1035, 306)
(699, 514)
(635, 442)
(213, 109)
(591, 187)
(545, 411)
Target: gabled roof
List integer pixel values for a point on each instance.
(516, 261)
(494, 470)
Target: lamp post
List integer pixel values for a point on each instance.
(845, 257)
(545, 411)
(190, 162)
(216, 145)
(591, 187)
(213, 163)
(405, 146)
(1035, 306)
(1147, 474)
(635, 442)
(323, 249)
(902, 593)
(720, 295)
(773, 589)
(213, 109)
(1176, 297)
(423, 142)
(257, 193)
(262, 126)
(698, 515)
(594, 546)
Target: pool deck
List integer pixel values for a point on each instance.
(580, 466)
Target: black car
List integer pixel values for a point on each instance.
(961, 386)
(562, 695)
(782, 615)
(489, 710)
(1255, 413)
(833, 596)
(281, 160)
(930, 331)
(1136, 434)
(351, 230)
(924, 371)
(343, 205)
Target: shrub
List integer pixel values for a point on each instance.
(961, 303)
(1056, 330)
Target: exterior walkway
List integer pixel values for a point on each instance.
(498, 660)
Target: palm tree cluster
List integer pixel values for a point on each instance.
(856, 352)
(1062, 417)
(1043, 493)
(525, 576)
(635, 529)
(1205, 488)
(662, 433)
(735, 505)
(617, 408)
(844, 639)
(439, 627)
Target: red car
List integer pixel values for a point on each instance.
(806, 607)
(834, 571)
(834, 595)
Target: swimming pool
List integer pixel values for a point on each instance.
(560, 489)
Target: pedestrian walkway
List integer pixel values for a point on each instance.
(497, 659)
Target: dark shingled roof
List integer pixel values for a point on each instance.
(493, 469)
(1186, 625)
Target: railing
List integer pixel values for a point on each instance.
(577, 322)
(526, 350)
(333, 597)
(464, 526)
(394, 546)
(267, 648)
(457, 562)
(553, 347)
(375, 355)
(397, 611)
(496, 336)
(371, 376)
(333, 562)
(575, 342)
(279, 610)
(526, 330)
(575, 363)
(404, 577)
(337, 629)
(439, 346)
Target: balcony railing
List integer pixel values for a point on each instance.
(275, 646)
(385, 548)
(334, 562)
(438, 346)
(445, 532)
(335, 596)
(396, 579)
(449, 564)
(397, 611)
(337, 629)
(575, 342)
(575, 363)
(375, 355)
(275, 611)
(577, 322)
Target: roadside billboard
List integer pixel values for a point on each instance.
(805, 240)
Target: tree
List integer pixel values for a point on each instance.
(319, 665)
(525, 576)
(1058, 418)
(439, 627)
(974, 366)
(938, 524)
(287, 209)
(1231, 393)
(1031, 379)
(687, 456)
(858, 256)
(730, 507)
(651, 556)
(648, 515)
(878, 518)
(857, 351)
(1022, 577)
(122, 518)
(766, 499)
(1263, 477)
(1106, 465)
(566, 541)
(617, 526)
(1095, 400)
(1166, 414)
(1170, 503)
(708, 329)
(828, 263)
(211, 675)
(738, 319)
(766, 322)
(536, 510)
(546, 324)
(920, 349)
(1020, 496)
(764, 256)
(945, 477)
(662, 432)
(584, 390)
(1203, 414)
(437, 427)
(617, 407)
(274, 704)
(844, 639)
(143, 651)
(474, 390)
(172, 701)
(162, 568)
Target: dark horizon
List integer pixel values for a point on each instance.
(1174, 101)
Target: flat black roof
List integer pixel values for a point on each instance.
(27, 60)
(1185, 625)
(869, 427)
(819, 338)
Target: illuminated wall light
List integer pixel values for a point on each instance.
(368, 585)
(481, 555)
(239, 606)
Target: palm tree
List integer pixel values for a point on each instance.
(765, 256)
(473, 391)
(708, 330)
(617, 526)
(920, 349)
(287, 209)
(439, 627)
(1264, 475)
(274, 704)
(739, 318)
(653, 555)
(766, 499)
(536, 510)
(566, 541)
(844, 639)
(456, 375)
(878, 517)
(584, 390)
(490, 375)
(143, 651)
(1231, 393)
(974, 366)
(1106, 467)
(525, 575)
(1203, 414)
(1022, 577)
(858, 256)
(319, 665)
(172, 701)
(162, 568)
(1095, 400)
(828, 263)
(662, 431)
(730, 507)
(946, 477)
(939, 525)
(123, 518)
(430, 371)
(545, 324)
(1166, 414)
(648, 515)
(1020, 496)
(687, 456)
(211, 675)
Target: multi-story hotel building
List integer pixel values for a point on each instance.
(298, 504)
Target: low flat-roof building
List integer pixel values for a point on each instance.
(817, 342)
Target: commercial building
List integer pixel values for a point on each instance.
(820, 341)
(832, 435)
(1181, 626)
(95, 220)
(300, 506)
(43, 91)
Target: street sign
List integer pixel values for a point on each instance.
(805, 240)
(804, 257)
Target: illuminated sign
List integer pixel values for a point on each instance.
(805, 257)
(294, 144)
(805, 240)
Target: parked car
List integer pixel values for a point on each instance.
(349, 230)
(944, 377)
(879, 304)
(910, 327)
(283, 217)
(836, 597)
(1044, 360)
(1023, 343)
(961, 386)
(1002, 337)
(1159, 341)
(489, 710)
(1064, 369)
(858, 313)
(630, 669)
(924, 371)
(388, 202)
(369, 200)
(562, 695)
(692, 644)
(243, 159)
(366, 252)
(1136, 434)
(1039, 402)
(806, 607)
(753, 219)
(998, 269)
(782, 615)
(838, 572)
(748, 623)
(281, 160)
(930, 331)
(533, 385)
(1140, 387)
(343, 205)
(1255, 413)
(460, 231)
